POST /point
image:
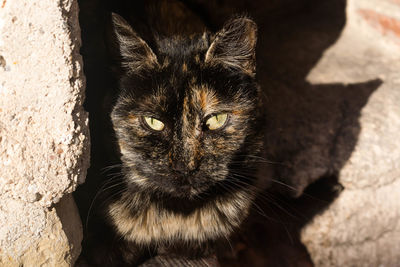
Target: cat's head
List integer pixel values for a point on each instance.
(188, 110)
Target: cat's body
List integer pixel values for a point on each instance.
(189, 126)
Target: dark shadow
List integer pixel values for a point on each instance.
(271, 235)
(312, 129)
(92, 20)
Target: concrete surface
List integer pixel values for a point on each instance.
(44, 139)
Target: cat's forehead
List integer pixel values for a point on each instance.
(189, 97)
(196, 98)
(179, 47)
(182, 54)
(183, 82)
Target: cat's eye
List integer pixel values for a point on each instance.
(154, 123)
(217, 121)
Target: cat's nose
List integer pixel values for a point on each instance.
(180, 167)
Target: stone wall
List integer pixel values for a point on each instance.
(362, 226)
(44, 138)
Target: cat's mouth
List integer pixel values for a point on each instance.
(188, 191)
(175, 184)
(187, 186)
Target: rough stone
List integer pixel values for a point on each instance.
(51, 237)
(361, 227)
(44, 139)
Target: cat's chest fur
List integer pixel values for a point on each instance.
(150, 223)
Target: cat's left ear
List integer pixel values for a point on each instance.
(234, 46)
(135, 53)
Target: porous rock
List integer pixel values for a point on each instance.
(44, 139)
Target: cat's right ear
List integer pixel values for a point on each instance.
(135, 54)
(234, 46)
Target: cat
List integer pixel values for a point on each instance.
(189, 128)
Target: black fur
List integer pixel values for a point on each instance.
(186, 187)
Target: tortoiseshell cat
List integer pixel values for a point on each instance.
(188, 121)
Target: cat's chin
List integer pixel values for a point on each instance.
(189, 192)
(189, 187)
(185, 192)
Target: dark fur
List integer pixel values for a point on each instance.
(184, 188)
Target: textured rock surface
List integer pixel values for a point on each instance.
(59, 230)
(362, 226)
(43, 132)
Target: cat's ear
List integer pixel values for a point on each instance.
(135, 53)
(234, 45)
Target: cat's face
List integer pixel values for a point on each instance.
(186, 116)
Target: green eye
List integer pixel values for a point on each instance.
(217, 121)
(154, 123)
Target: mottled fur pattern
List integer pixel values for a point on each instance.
(185, 187)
